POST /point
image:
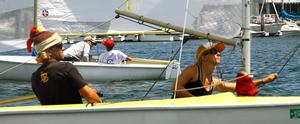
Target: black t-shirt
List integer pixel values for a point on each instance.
(57, 83)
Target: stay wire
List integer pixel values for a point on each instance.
(289, 55)
(293, 53)
(181, 45)
(13, 67)
(220, 71)
(286, 57)
(173, 57)
(100, 25)
(147, 25)
(121, 5)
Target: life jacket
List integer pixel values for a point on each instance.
(245, 85)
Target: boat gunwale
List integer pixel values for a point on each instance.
(94, 64)
(47, 110)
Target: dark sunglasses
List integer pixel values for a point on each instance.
(60, 46)
(212, 52)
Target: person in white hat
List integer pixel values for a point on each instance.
(56, 82)
(81, 50)
(197, 79)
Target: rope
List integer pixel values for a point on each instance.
(100, 25)
(287, 57)
(293, 53)
(181, 45)
(160, 75)
(23, 98)
(108, 20)
(3, 72)
(290, 54)
(150, 26)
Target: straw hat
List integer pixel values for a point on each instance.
(206, 46)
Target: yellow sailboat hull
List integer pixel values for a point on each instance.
(223, 108)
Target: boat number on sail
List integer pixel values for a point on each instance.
(295, 113)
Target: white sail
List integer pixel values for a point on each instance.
(15, 21)
(222, 18)
(96, 16)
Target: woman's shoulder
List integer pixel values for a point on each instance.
(191, 69)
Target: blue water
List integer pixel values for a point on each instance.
(265, 51)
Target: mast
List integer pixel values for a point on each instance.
(246, 38)
(35, 13)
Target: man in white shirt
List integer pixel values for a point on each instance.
(81, 50)
(112, 56)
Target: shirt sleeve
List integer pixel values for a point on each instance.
(86, 50)
(75, 77)
(122, 56)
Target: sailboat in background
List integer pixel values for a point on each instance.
(70, 18)
(233, 109)
(266, 24)
(291, 27)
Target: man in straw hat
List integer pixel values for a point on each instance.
(57, 82)
(81, 50)
(197, 79)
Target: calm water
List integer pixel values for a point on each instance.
(265, 51)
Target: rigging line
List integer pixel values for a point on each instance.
(13, 67)
(123, 3)
(108, 20)
(275, 62)
(211, 85)
(160, 75)
(220, 71)
(293, 51)
(181, 45)
(140, 23)
(100, 25)
(147, 25)
(296, 49)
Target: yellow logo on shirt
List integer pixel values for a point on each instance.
(44, 77)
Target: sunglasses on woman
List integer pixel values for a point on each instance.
(212, 52)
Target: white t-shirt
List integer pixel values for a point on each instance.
(112, 57)
(78, 50)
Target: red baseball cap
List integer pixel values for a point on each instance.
(108, 43)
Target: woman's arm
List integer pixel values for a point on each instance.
(223, 85)
(185, 77)
(267, 79)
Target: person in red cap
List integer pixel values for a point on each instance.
(56, 82)
(197, 79)
(112, 56)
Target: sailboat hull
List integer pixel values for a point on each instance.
(222, 108)
(21, 68)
